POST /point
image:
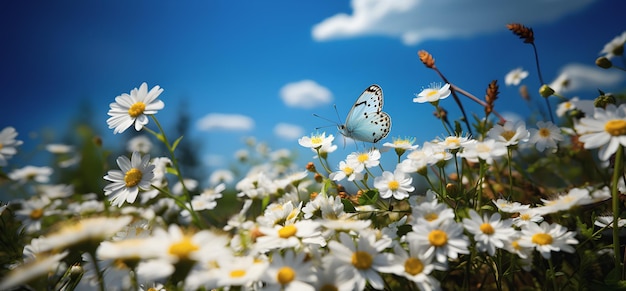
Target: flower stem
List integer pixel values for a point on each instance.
(617, 170)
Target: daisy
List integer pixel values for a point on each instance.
(485, 150)
(440, 241)
(400, 145)
(296, 235)
(615, 47)
(510, 207)
(134, 108)
(345, 171)
(31, 173)
(566, 106)
(515, 77)
(316, 141)
(545, 136)
(607, 221)
(546, 238)
(396, 184)
(364, 160)
(431, 212)
(605, 130)
(129, 251)
(433, 94)
(85, 233)
(490, 232)
(324, 206)
(56, 191)
(575, 197)
(510, 133)
(280, 213)
(239, 271)
(140, 143)
(255, 185)
(33, 211)
(364, 260)
(416, 267)
(30, 271)
(59, 149)
(418, 159)
(221, 176)
(455, 142)
(332, 276)
(526, 216)
(8, 144)
(136, 173)
(290, 272)
(561, 84)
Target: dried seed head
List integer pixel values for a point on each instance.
(522, 31)
(491, 96)
(426, 58)
(603, 62)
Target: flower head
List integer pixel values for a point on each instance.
(490, 232)
(546, 238)
(605, 130)
(434, 93)
(8, 144)
(615, 47)
(511, 133)
(396, 184)
(133, 109)
(134, 174)
(515, 77)
(545, 136)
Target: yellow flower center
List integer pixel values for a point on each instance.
(237, 273)
(36, 214)
(133, 177)
(615, 127)
(486, 228)
(452, 141)
(524, 217)
(316, 140)
(329, 287)
(393, 185)
(544, 132)
(362, 158)
(183, 248)
(413, 266)
(348, 170)
(432, 93)
(400, 142)
(287, 231)
(431, 216)
(542, 239)
(515, 245)
(285, 275)
(438, 238)
(1, 145)
(137, 109)
(508, 134)
(362, 260)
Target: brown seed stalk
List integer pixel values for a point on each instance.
(426, 58)
(491, 96)
(522, 31)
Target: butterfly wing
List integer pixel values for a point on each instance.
(366, 121)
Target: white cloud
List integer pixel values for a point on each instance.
(221, 121)
(574, 77)
(414, 21)
(305, 94)
(288, 131)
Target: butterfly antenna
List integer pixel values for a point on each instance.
(337, 112)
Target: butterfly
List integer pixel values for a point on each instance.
(366, 120)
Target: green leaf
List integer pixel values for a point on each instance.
(176, 142)
(348, 206)
(368, 198)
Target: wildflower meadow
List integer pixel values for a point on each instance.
(490, 204)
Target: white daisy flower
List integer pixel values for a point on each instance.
(574, 197)
(26, 272)
(454, 142)
(515, 77)
(289, 272)
(332, 276)
(135, 173)
(133, 109)
(346, 171)
(526, 216)
(431, 212)
(324, 206)
(365, 259)
(486, 150)
(8, 144)
(566, 106)
(440, 241)
(31, 173)
(364, 160)
(221, 176)
(546, 238)
(511, 133)
(396, 185)
(434, 93)
(605, 130)
(545, 136)
(140, 143)
(510, 206)
(607, 221)
(240, 271)
(615, 47)
(490, 232)
(316, 141)
(416, 267)
(296, 235)
(87, 232)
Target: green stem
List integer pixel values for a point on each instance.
(552, 274)
(94, 260)
(510, 157)
(617, 170)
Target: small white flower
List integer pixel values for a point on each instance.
(8, 144)
(545, 136)
(90, 230)
(566, 106)
(530, 215)
(434, 93)
(615, 46)
(605, 130)
(396, 185)
(364, 160)
(289, 273)
(511, 133)
(133, 109)
(510, 207)
(31, 270)
(490, 232)
(546, 238)
(296, 235)
(607, 221)
(441, 241)
(221, 176)
(31, 173)
(140, 143)
(515, 77)
(486, 150)
(134, 174)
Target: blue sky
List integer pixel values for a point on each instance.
(255, 61)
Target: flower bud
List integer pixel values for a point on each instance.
(603, 62)
(545, 91)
